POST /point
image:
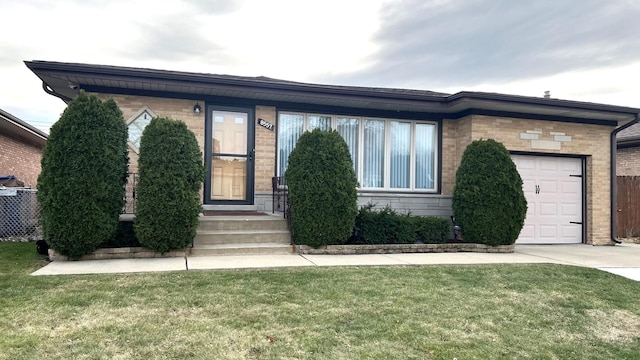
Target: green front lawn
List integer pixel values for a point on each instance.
(431, 312)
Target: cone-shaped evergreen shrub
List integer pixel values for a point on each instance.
(171, 175)
(488, 200)
(322, 189)
(84, 169)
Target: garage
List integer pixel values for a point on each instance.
(553, 187)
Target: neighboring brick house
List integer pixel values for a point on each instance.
(20, 149)
(406, 144)
(628, 153)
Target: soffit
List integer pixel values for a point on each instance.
(66, 78)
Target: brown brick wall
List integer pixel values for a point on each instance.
(628, 162)
(21, 159)
(183, 110)
(265, 149)
(589, 140)
(456, 135)
(177, 109)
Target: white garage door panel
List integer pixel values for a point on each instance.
(527, 233)
(554, 210)
(569, 210)
(572, 187)
(570, 231)
(548, 186)
(548, 231)
(548, 209)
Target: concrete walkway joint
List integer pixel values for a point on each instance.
(623, 260)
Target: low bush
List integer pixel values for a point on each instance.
(386, 226)
(431, 230)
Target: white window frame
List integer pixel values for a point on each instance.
(135, 117)
(387, 153)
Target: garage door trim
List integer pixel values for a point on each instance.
(583, 161)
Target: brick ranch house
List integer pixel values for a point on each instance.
(20, 149)
(406, 144)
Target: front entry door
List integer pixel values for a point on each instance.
(230, 158)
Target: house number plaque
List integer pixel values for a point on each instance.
(265, 124)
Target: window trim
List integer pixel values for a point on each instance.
(133, 118)
(387, 153)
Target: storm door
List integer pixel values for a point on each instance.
(230, 156)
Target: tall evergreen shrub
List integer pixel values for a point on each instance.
(171, 174)
(84, 169)
(488, 200)
(322, 189)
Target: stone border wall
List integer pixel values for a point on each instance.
(403, 248)
(120, 253)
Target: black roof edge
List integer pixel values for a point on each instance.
(259, 82)
(24, 125)
(441, 99)
(431, 116)
(520, 115)
(627, 143)
(542, 101)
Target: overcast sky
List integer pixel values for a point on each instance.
(585, 50)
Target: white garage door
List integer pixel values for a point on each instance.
(553, 188)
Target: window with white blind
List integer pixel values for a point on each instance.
(387, 154)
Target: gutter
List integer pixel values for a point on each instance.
(614, 181)
(49, 90)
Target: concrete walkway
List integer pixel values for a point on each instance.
(623, 260)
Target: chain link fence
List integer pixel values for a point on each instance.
(19, 215)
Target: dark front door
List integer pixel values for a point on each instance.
(230, 158)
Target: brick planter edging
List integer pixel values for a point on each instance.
(119, 253)
(403, 248)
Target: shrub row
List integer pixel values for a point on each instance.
(386, 226)
(84, 170)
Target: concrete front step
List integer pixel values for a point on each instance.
(216, 237)
(242, 249)
(255, 222)
(242, 234)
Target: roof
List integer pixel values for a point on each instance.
(66, 79)
(15, 127)
(629, 136)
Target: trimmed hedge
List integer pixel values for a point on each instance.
(322, 189)
(488, 200)
(168, 194)
(84, 170)
(386, 226)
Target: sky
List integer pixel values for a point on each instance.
(583, 50)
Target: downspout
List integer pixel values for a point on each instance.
(614, 181)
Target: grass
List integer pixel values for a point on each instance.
(431, 312)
